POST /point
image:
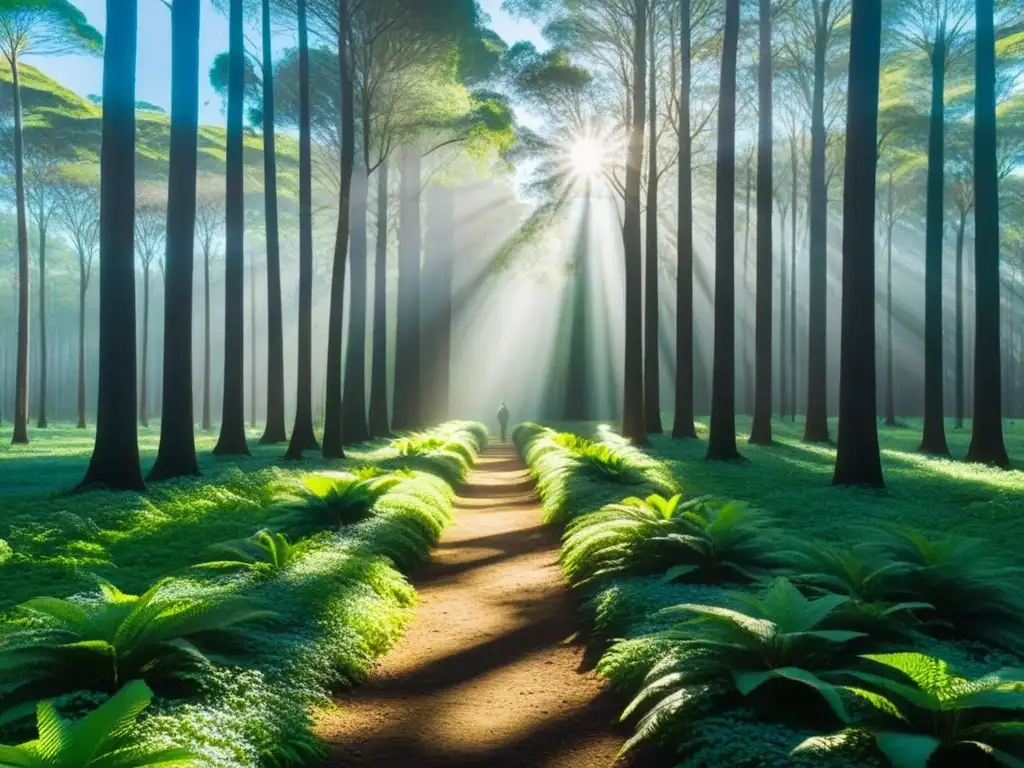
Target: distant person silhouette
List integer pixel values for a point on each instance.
(503, 420)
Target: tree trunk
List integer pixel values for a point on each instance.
(576, 401)
(633, 426)
(960, 320)
(407, 335)
(82, 287)
(379, 426)
(722, 440)
(41, 422)
(933, 439)
(890, 394)
(207, 420)
(683, 426)
(303, 437)
(176, 456)
(652, 349)
(274, 432)
(795, 166)
(21, 364)
(761, 431)
(356, 429)
(439, 267)
(987, 435)
(784, 321)
(857, 458)
(232, 440)
(144, 362)
(115, 458)
(252, 343)
(742, 337)
(816, 426)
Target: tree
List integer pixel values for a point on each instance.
(652, 349)
(115, 459)
(176, 456)
(209, 229)
(987, 444)
(961, 191)
(42, 28)
(722, 438)
(378, 420)
(232, 440)
(150, 229)
(857, 458)
(761, 431)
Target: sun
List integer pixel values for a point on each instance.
(587, 157)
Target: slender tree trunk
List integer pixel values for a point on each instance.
(144, 363)
(82, 287)
(407, 335)
(115, 459)
(176, 456)
(439, 270)
(683, 426)
(934, 438)
(857, 458)
(303, 437)
(252, 342)
(21, 364)
(890, 394)
(232, 440)
(987, 435)
(576, 403)
(379, 426)
(745, 323)
(761, 432)
(722, 441)
(207, 420)
(356, 429)
(633, 426)
(960, 320)
(652, 349)
(784, 321)
(795, 166)
(274, 432)
(41, 423)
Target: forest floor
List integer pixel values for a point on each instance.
(493, 670)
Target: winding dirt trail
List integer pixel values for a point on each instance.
(491, 672)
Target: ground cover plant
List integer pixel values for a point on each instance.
(308, 609)
(829, 604)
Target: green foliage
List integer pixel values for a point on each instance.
(696, 540)
(447, 451)
(103, 739)
(263, 551)
(331, 499)
(921, 714)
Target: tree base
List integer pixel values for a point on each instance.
(274, 436)
(232, 447)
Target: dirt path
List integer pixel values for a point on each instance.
(490, 672)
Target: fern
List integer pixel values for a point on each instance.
(921, 714)
(330, 500)
(103, 739)
(263, 551)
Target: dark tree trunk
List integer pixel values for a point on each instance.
(407, 334)
(41, 421)
(987, 436)
(722, 440)
(857, 459)
(303, 437)
(795, 165)
(438, 298)
(144, 362)
(960, 320)
(176, 456)
(761, 431)
(784, 322)
(252, 343)
(683, 426)
(82, 288)
(115, 458)
(890, 394)
(274, 432)
(652, 349)
(933, 439)
(379, 426)
(207, 419)
(816, 426)
(356, 429)
(232, 423)
(633, 426)
(743, 360)
(21, 364)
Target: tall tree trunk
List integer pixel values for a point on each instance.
(379, 426)
(21, 364)
(232, 440)
(987, 435)
(438, 270)
(82, 286)
(41, 422)
(652, 349)
(933, 439)
(784, 322)
(115, 458)
(356, 429)
(683, 426)
(722, 440)
(761, 431)
(576, 402)
(961, 226)
(252, 342)
(303, 437)
(816, 426)
(794, 161)
(407, 334)
(274, 432)
(890, 394)
(176, 456)
(144, 363)
(857, 458)
(744, 331)
(207, 416)
(633, 426)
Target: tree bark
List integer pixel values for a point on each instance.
(41, 422)
(356, 429)
(176, 456)
(761, 431)
(82, 287)
(21, 364)
(857, 458)
(252, 343)
(407, 334)
(232, 440)
(144, 362)
(795, 166)
(743, 360)
(987, 434)
(115, 458)
(652, 349)
(722, 440)
(379, 426)
(890, 395)
(961, 226)
(207, 417)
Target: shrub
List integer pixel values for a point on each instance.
(263, 551)
(328, 500)
(103, 739)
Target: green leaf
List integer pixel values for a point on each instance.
(678, 571)
(907, 750)
(747, 682)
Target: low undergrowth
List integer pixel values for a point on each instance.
(742, 641)
(241, 641)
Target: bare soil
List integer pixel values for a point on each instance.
(492, 671)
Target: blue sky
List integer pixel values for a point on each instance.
(85, 74)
